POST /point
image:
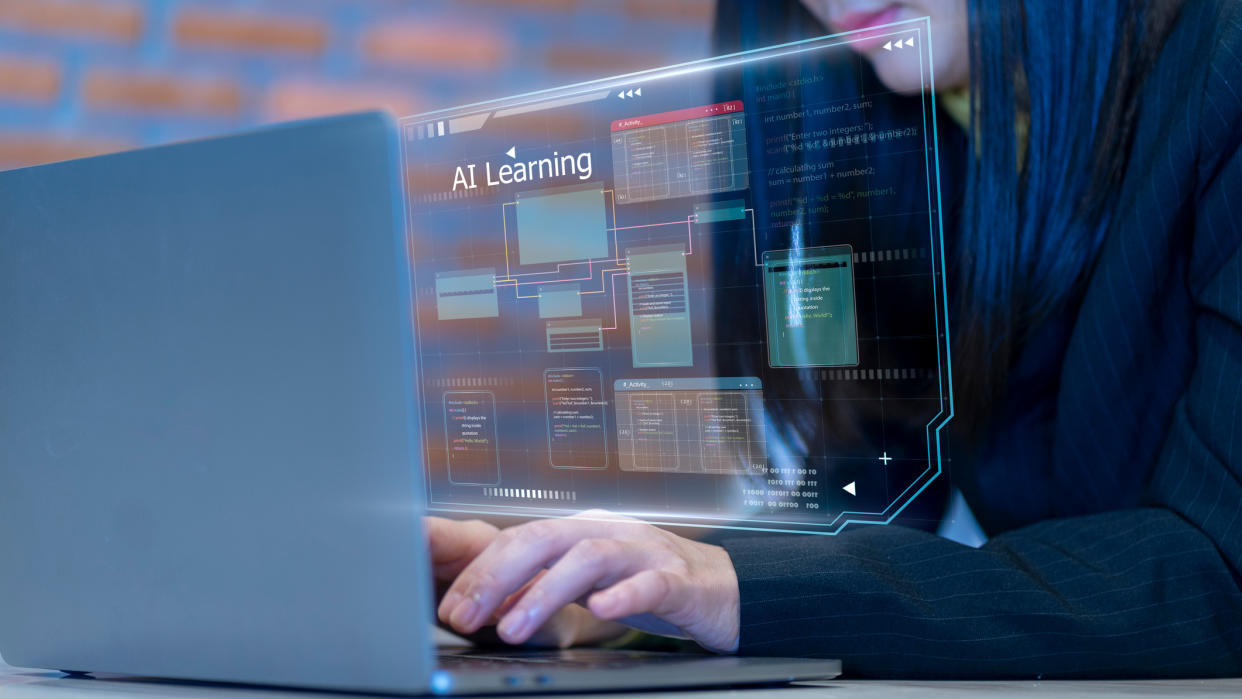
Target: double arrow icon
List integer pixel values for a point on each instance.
(630, 93)
(898, 44)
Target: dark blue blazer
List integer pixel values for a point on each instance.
(1112, 493)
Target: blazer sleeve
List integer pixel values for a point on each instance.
(1149, 591)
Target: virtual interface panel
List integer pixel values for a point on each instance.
(710, 294)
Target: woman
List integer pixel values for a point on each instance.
(1098, 344)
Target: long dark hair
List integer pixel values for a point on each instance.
(1036, 208)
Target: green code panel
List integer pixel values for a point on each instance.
(809, 298)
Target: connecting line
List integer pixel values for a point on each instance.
(690, 234)
(517, 284)
(504, 226)
(648, 225)
(754, 237)
(616, 253)
(512, 279)
(604, 281)
(614, 301)
(613, 202)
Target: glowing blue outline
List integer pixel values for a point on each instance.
(675, 70)
(947, 359)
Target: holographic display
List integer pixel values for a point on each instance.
(708, 294)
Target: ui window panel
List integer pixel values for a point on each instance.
(575, 335)
(561, 224)
(710, 425)
(809, 303)
(577, 423)
(659, 306)
(467, 293)
(470, 437)
(686, 152)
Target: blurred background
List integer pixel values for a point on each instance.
(84, 77)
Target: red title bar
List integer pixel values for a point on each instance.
(677, 115)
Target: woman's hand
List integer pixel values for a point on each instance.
(455, 544)
(618, 567)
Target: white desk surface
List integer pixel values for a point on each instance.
(16, 683)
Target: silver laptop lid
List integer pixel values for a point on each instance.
(207, 466)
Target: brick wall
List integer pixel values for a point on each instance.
(81, 77)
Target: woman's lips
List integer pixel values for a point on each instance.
(865, 41)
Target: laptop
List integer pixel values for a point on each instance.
(209, 468)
